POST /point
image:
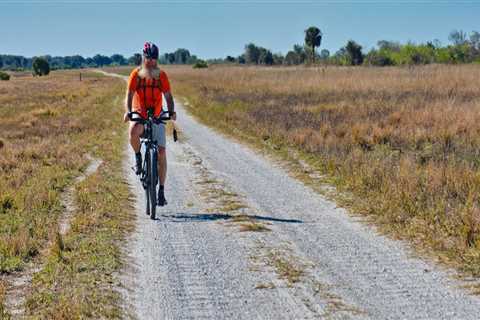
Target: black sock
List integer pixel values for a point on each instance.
(138, 155)
(161, 187)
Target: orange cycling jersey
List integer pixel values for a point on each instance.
(148, 92)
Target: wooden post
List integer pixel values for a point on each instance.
(80, 76)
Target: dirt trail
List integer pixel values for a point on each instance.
(311, 261)
(19, 283)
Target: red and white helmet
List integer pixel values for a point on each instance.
(150, 50)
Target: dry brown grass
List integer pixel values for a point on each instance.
(287, 267)
(404, 141)
(48, 125)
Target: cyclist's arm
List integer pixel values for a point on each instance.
(128, 100)
(131, 86)
(170, 103)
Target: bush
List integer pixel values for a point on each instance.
(413, 55)
(200, 64)
(4, 76)
(40, 67)
(379, 58)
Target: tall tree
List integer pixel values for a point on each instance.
(354, 53)
(181, 56)
(252, 53)
(313, 39)
(457, 37)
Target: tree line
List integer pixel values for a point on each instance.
(462, 48)
(18, 63)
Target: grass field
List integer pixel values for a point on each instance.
(49, 125)
(402, 145)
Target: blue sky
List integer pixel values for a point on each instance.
(219, 28)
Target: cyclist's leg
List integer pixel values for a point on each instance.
(159, 136)
(162, 165)
(135, 131)
(162, 156)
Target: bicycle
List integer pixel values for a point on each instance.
(149, 174)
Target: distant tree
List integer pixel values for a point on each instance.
(475, 40)
(388, 45)
(313, 39)
(192, 59)
(241, 59)
(56, 62)
(89, 62)
(181, 56)
(229, 59)
(301, 53)
(457, 37)
(292, 58)
(265, 56)
(252, 53)
(379, 58)
(75, 62)
(340, 57)
(78, 61)
(135, 60)
(324, 54)
(278, 58)
(1, 62)
(40, 67)
(354, 53)
(169, 58)
(101, 60)
(118, 59)
(437, 43)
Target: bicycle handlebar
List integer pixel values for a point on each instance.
(142, 120)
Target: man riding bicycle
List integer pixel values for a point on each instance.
(146, 85)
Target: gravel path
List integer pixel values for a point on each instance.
(315, 261)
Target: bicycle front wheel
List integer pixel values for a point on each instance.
(153, 184)
(147, 182)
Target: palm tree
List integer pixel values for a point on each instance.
(313, 39)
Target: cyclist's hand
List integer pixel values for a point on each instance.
(174, 116)
(126, 117)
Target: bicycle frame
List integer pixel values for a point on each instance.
(150, 147)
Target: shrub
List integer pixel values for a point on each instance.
(4, 76)
(411, 54)
(200, 64)
(379, 58)
(40, 67)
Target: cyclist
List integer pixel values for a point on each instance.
(146, 85)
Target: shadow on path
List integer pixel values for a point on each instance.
(205, 217)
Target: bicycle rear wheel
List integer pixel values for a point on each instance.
(153, 184)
